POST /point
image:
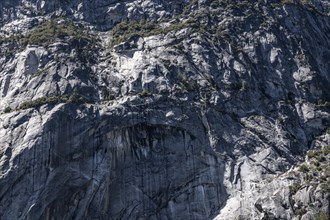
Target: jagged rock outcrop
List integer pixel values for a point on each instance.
(164, 109)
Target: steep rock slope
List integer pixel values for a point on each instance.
(164, 109)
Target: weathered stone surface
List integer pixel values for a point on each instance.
(208, 121)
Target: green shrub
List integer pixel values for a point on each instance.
(73, 98)
(319, 171)
(320, 215)
(323, 103)
(316, 163)
(326, 150)
(294, 188)
(107, 96)
(49, 31)
(303, 168)
(125, 30)
(41, 101)
(312, 153)
(144, 94)
(325, 187)
(7, 109)
(300, 211)
(10, 39)
(308, 177)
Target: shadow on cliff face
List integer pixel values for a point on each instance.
(82, 168)
(160, 172)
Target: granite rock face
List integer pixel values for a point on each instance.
(164, 110)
